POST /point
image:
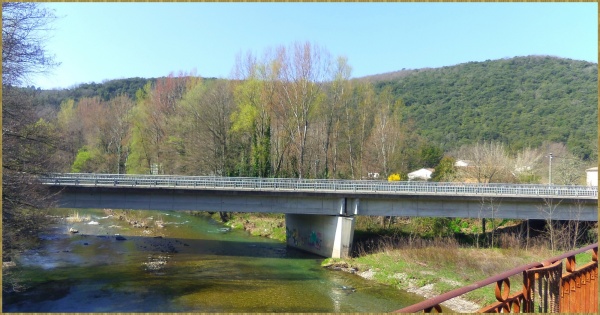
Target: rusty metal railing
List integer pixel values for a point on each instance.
(545, 289)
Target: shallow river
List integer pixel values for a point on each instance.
(196, 265)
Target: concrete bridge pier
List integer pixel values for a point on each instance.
(325, 235)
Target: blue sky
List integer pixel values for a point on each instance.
(103, 41)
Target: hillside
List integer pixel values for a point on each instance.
(522, 101)
(105, 91)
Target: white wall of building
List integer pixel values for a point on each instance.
(592, 176)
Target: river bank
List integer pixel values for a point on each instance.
(425, 266)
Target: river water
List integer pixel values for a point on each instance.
(190, 264)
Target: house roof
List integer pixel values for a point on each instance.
(421, 170)
(424, 173)
(593, 169)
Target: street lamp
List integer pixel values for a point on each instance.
(550, 170)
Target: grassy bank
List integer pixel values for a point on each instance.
(271, 225)
(430, 268)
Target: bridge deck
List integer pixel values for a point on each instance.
(326, 197)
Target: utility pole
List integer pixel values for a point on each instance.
(550, 170)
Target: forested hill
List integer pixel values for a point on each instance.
(522, 101)
(105, 91)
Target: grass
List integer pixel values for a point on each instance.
(271, 225)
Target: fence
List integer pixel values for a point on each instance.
(548, 287)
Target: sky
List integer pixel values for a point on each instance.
(95, 42)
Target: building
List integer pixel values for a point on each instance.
(422, 174)
(592, 176)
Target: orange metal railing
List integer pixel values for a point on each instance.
(579, 289)
(547, 288)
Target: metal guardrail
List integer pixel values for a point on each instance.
(546, 288)
(321, 185)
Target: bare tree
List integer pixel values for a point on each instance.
(527, 164)
(27, 141)
(489, 163)
(553, 230)
(338, 92)
(27, 144)
(302, 72)
(25, 28)
(387, 133)
(116, 131)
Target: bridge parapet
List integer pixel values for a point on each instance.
(323, 185)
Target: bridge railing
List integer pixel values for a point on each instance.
(547, 288)
(322, 185)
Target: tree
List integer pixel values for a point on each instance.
(28, 142)
(157, 104)
(303, 68)
(387, 134)
(118, 123)
(430, 155)
(205, 123)
(71, 128)
(358, 122)
(252, 120)
(445, 170)
(338, 96)
(489, 163)
(528, 164)
(24, 29)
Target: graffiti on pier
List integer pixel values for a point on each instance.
(292, 237)
(313, 239)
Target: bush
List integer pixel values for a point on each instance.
(394, 177)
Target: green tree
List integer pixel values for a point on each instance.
(444, 170)
(430, 155)
(71, 128)
(204, 124)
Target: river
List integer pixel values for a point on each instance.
(188, 264)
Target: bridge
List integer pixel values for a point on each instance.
(320, 213)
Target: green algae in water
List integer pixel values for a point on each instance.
(197, 265)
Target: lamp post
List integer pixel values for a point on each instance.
(550, 170)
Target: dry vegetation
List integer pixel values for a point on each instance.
(430, 267)
(76, 218)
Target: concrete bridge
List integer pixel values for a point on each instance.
(320, 213)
